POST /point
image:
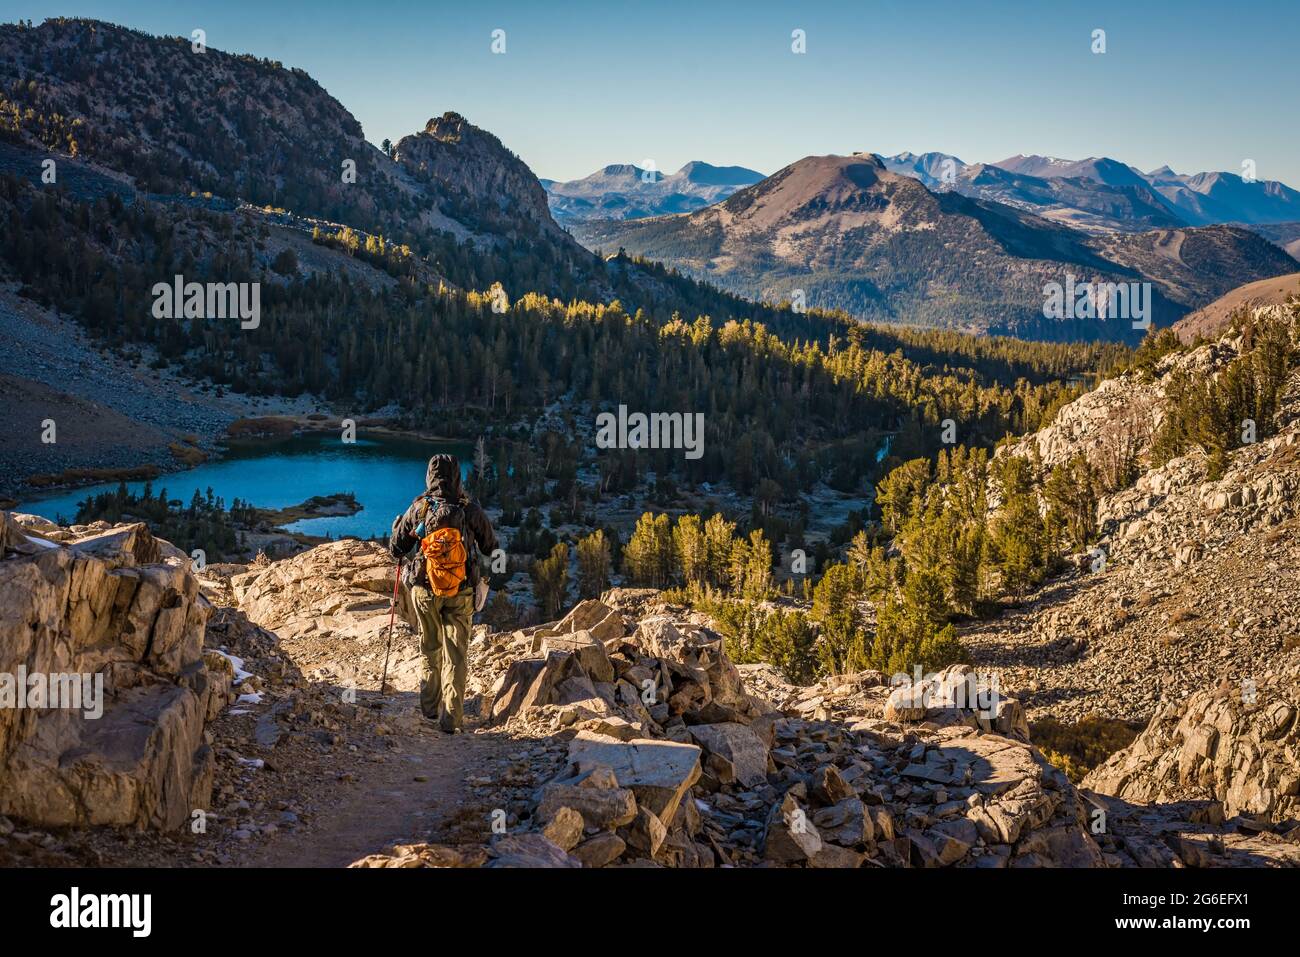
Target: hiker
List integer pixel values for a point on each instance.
(443, 581)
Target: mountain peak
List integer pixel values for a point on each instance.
(698, 171)
(452, 153)
(623, 191)
(448, 120)
(874, 158)
(1101, 169)
(934, 169)
(452, 127)
(621, 169)
(834, 191)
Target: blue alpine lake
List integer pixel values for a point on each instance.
(384, 474)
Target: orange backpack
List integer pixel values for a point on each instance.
(446, 560)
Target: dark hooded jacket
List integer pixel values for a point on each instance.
(444, 502)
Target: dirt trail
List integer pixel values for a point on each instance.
(416, 791)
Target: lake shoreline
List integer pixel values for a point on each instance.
(158, 463)
(306, 480)
(318, 506)
(118, 416)
(322, 423)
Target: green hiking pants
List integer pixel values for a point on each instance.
(444, 642)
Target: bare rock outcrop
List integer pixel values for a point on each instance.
(1238, 746)
(455, 157)
(330, 605)
(103, 682)
(677, 758)
(1214, 781)
(595, 664)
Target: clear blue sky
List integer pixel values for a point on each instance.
(1197, 85)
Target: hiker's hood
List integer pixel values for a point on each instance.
(442, 478)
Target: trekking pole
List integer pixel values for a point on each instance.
(393, 611)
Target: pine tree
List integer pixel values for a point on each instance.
(859, 552)
(835, 607)
(908, 637)
(1071, 492)
(905, 641)
(1018, 540)
(902, 492)
(593, 564)
(719, 538)
(648, 557)
(550, 577)
(480, 465)
(751, 567)
(964, 573)
(788, 641)
(692, 550)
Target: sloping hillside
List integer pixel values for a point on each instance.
(1193, 578)
(1210, 321)
(1286, 235)
(1193, 267)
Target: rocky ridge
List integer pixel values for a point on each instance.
(183, 122)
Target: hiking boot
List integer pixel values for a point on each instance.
(431, 721)
(447, 725)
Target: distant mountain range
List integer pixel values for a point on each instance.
(849, 233)
(625, 191)
(916, 239)
(1093, 204)
(1099, 194)
(1096, 195)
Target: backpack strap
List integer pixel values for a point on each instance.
(432, 505)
